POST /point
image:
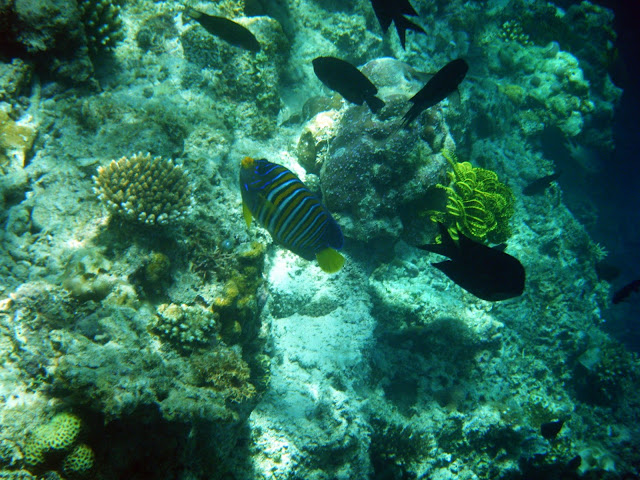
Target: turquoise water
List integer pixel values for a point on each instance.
(151, 329)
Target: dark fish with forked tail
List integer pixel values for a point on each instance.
(550, 430)
(488, 273)
(226, 29)
(388, 11)
(342, 77)
(539, 185)
(441, 85)
(625, 291)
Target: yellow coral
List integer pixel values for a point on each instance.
(478, 204)
(58, 435)
(16, 139)
(79, 462)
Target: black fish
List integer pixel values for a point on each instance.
(441, 85)
(226, 29)
(389, 11)
(541, 184)
(342, 77)
(574, 463)
(550, 430)
(485, 272)
(625, 291)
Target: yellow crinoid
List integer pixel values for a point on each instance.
(478, 204)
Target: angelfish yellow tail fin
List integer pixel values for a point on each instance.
(246, 213)
(330, 260)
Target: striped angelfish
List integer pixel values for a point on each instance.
(294, 217)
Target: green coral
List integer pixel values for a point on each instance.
(511, 31)
(102, 24)
(478, 204)
(79, 462)
(57, 436)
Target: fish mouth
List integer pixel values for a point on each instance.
(247, 162)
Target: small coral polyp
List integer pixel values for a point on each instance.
(153, 191)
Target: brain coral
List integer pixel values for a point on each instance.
(79, 462)
(144, 189)
(58, 435)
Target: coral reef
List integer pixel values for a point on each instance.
(373, 174)
(144, 189)
(79, 462)
(59, 435)
(511, 31)
(186, 327)
(224, 371)
(220, 355)
(102, 25)
(58, 441)
(478, 204)
(252, 90)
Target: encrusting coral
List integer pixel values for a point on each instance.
(144, 189)
(478, 204)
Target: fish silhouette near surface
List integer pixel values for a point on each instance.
(488, 273)
(226, 29)
(625, 291)
(550, 430)
(342, 77)
(441, 85)
(294, 217)
(539, 185)
(388, 11)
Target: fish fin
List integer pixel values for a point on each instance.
(501, 247)
(246, 213)
(408, 117)
(447, 248)
(374, 103)
(330, 260)
(402, 25)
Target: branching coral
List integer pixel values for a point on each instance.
(186, 327)
(144, 189)
(478, 204)
(102, 24)
(511, 31)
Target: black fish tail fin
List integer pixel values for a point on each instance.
(410, 116)
(448, 247)
(402, 25)
(374, 103)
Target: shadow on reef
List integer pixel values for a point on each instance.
(142, 446)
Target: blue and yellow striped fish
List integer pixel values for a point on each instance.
(294, 217)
